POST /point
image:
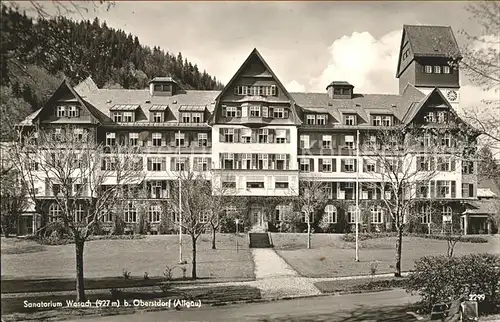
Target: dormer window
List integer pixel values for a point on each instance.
(311, 119)
(278, 112)
(350, 119)
(186, 117)
(73, 111)
(117, 117)
(428, 69)
(127, 117)
(321, 119)
(196, 118)
(157, 117)
(162, 87)
(61, 111)
(377, 120)
(446, 69)
(231, 111)
(437, 69)
(387, 120)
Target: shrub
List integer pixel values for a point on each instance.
(350, 237)
(169, 270)
(126, 274)
(441, 279)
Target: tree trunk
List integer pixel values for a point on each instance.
(399, 248)
(213, 237)
(308, 234)
(193, 269)
(80, 288)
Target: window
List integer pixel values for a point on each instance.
(446, 140)
(441, 117)
(255, 90)
(55, 212)
(447, 213)
(387, 120)
(377, 120)
(281, 212)
(231, 111)
(326, 165)
(127, 117)
(255, 111)
(444, 188)
(229, 181)
(117, 117)
(467, 167)
(281, 182)
(110, 138)
(78, 134)
(154, 213)
(156, 139)
(227, 161)
(331, 214)
(427, 139)
(349, 142)
(280, 136)
(197, 118)
(202, 139)
(157, 117)
(370, 166)
(349, 165)
(156, 188)
(79, 213)
(426, 215)
(327, 141)
(108, 164)
(321, 119)
(133, 139)
(304, 141)
(246, 135)
(263, 135)
(350, 120)
(377, 215)
(186, 117)
(437, 69)
(310, 119)
(179, 139)
(305, 165)
(106, 215)
(73, 111)
(446, 69)
(430, 117)
(205, 217)
(279, 112)
(60, 111)
(255, 182)
(351, 214)
(155, 164)
(180, 164)
(337, 91)
(130, 213)
(307, 215)
(428, 69)
(281, 163)
(422, 190)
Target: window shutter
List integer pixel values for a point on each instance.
(285, 114)
(287, 162)
(236, 135)
(334, 165)
(163, 139)
(453, 189)
(150, 164)
(311, 162)
(209, 163)
(355, 165)
(320, 165)
(223, 111)
(254, 136)
(221, 135)
(342, 165)
(271, 111)
(364, 166)
(265, 111)
(453, 165)
(471, 190)
(172, 138)
(238, 112)
(272, 134)
(432, 163)
(287, 136)
(187, 138)
(163, 164)
(195, 164)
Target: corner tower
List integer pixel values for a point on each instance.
(428, 58)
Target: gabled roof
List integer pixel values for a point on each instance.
(86, 87)
(429, 41)
(485, 193)
(164, 79)
(482, 207)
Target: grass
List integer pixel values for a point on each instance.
(330, 256)
(107, 258)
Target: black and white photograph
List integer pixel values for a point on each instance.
(250, 161)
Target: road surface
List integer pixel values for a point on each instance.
(378, 306)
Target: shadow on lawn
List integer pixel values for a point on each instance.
(361, 313)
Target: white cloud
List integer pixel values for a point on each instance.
(367, 63)
(295, 86)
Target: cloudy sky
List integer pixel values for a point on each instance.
(308, 44)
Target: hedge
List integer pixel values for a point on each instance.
(350, 237)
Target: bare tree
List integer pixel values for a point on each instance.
(193, 206)
(403, 175)
(311, 198)
(83, 177)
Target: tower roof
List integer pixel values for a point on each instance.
(432, 41)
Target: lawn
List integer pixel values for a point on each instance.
(330, 256)
(108, 258)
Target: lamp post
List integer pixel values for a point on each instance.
(237, 221)
(357, 196)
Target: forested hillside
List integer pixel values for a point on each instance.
(37, 54)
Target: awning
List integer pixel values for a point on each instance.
(192, 108)
(124, 107)
(158, 108)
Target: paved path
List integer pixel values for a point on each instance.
(381, 306)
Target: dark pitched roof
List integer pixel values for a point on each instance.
(483, 207)
(163, 79)
(410, 99)
(339, 83)
(432, 40)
